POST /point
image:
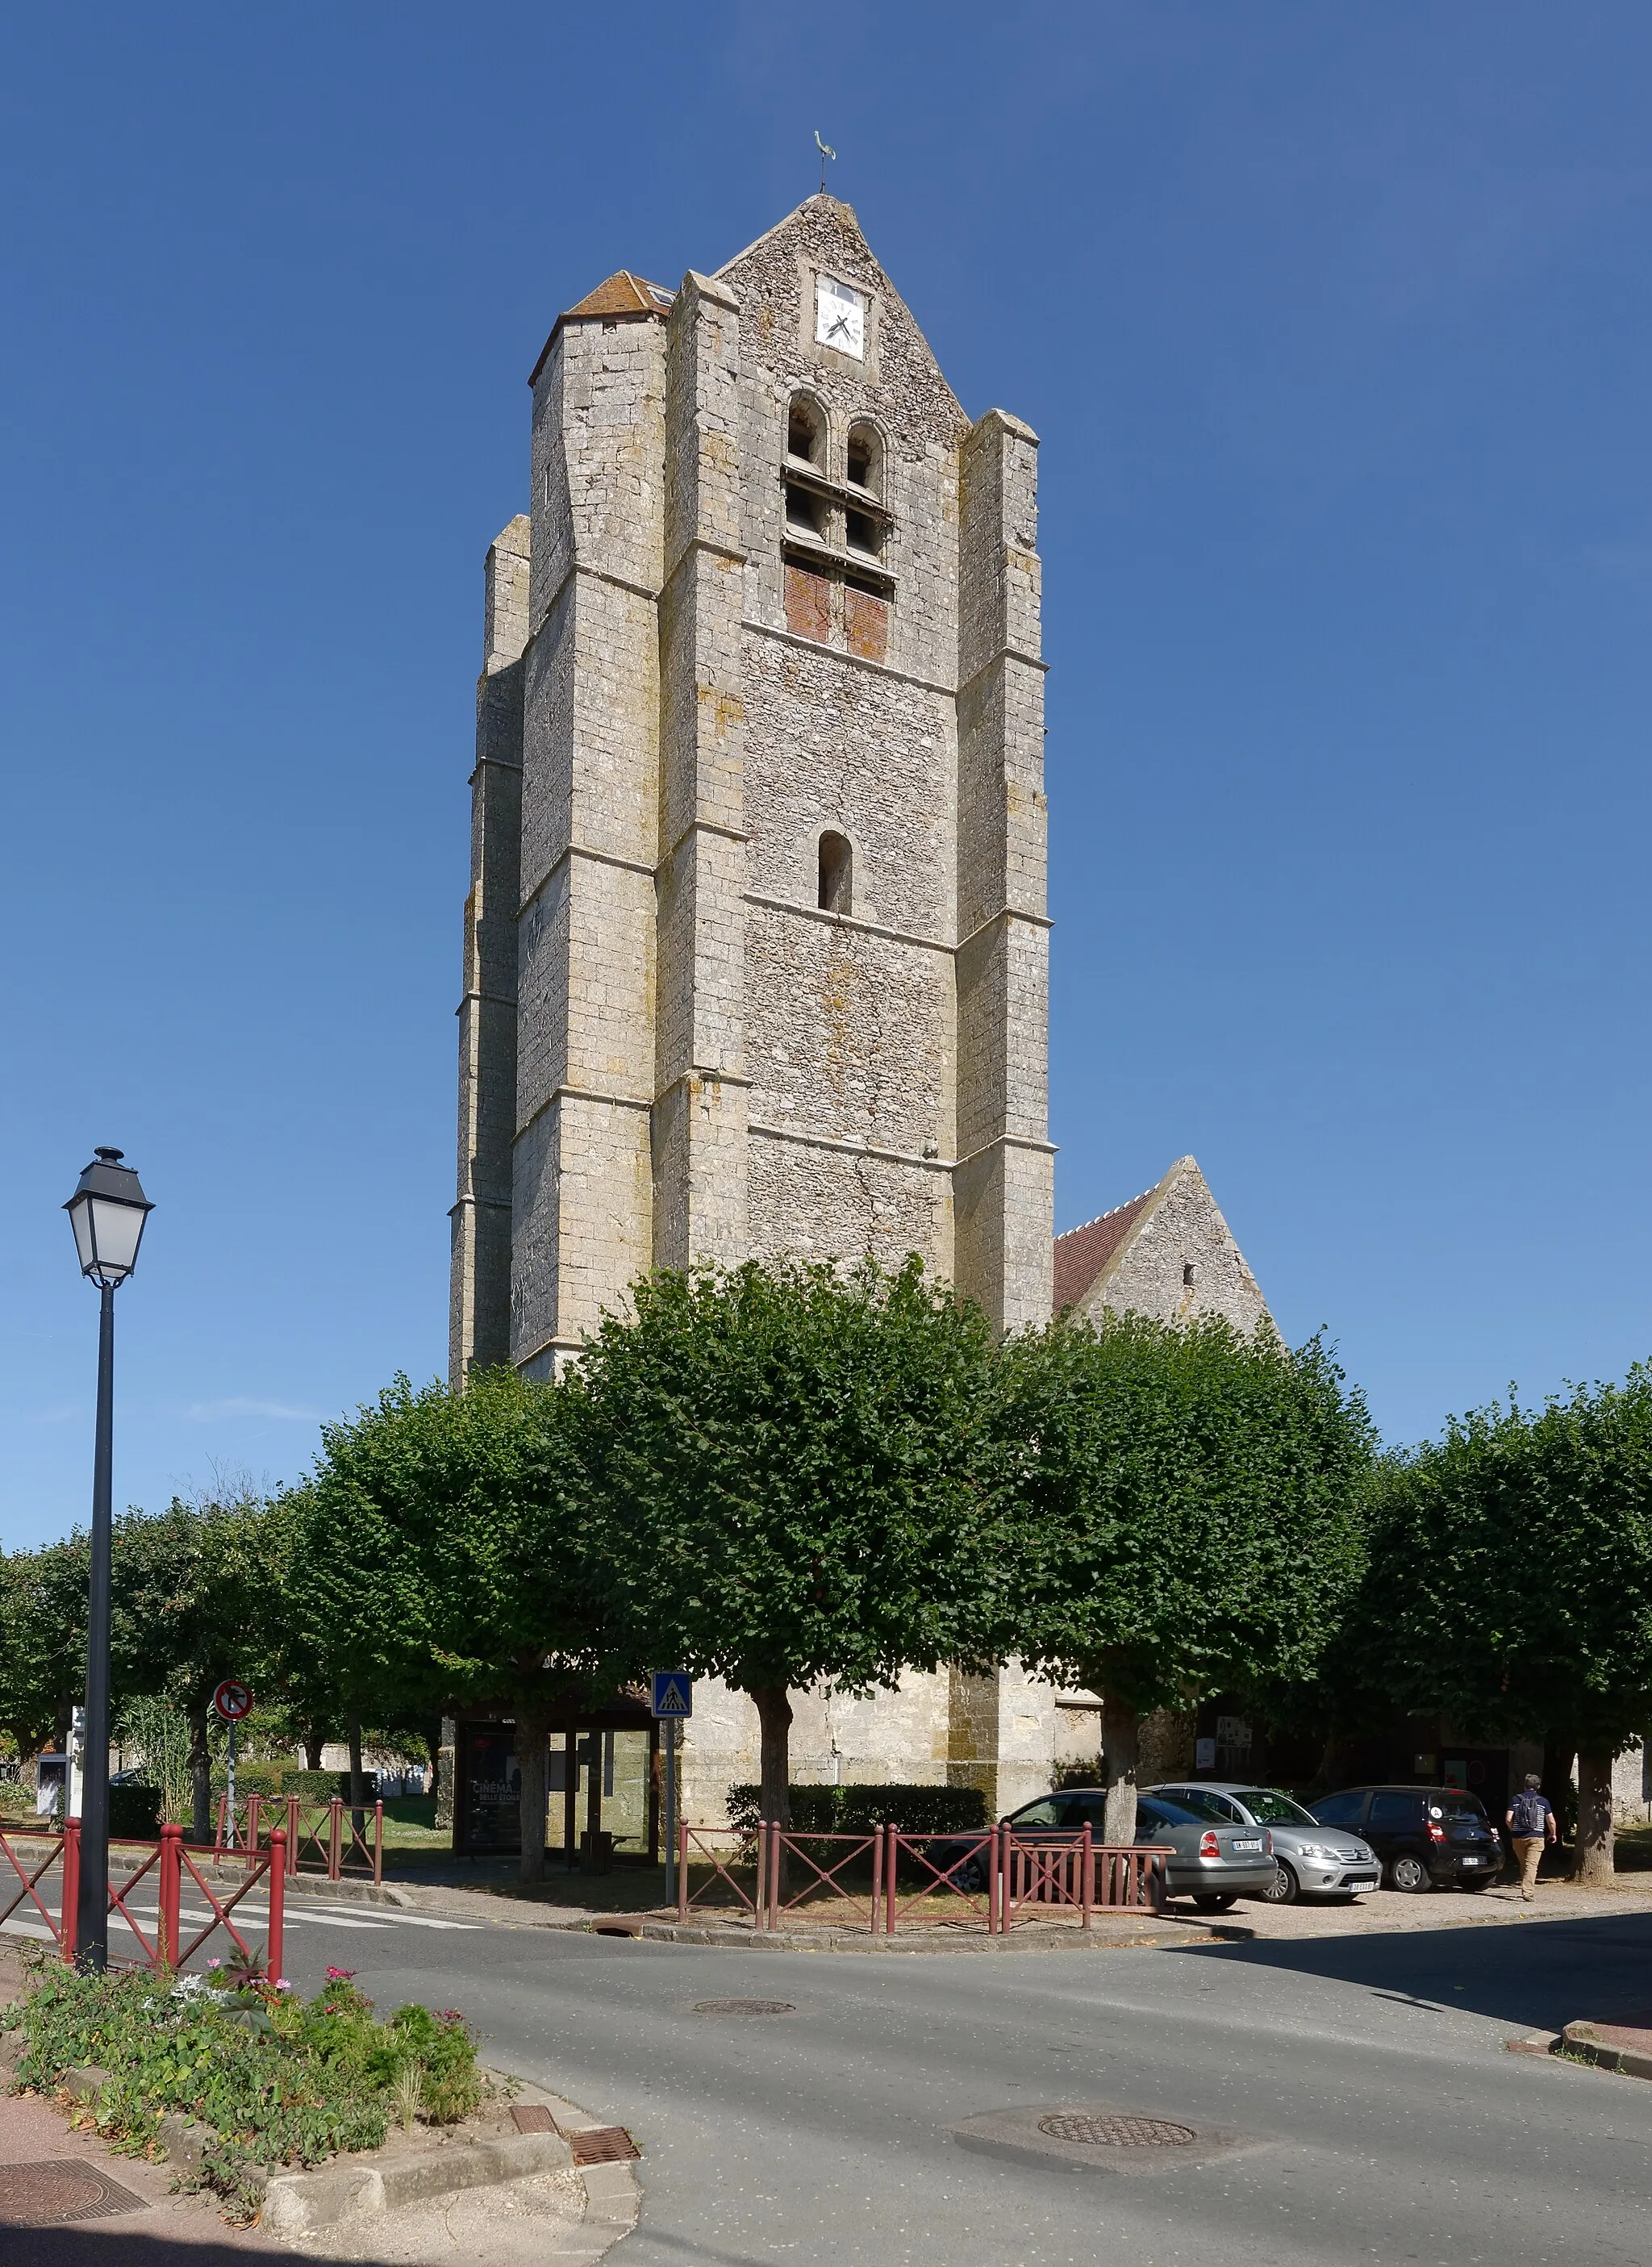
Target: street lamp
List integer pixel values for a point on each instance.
(108, 1212)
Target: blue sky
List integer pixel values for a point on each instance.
(1335, 327)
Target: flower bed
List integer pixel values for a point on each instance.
(275, 2079)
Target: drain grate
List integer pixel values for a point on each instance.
(746, 2007)
(1117, 2132)
(602, 2144)
(52, 2194)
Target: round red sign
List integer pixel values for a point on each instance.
(232, 1701)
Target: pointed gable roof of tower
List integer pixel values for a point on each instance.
(1168, 1252)
(824, 235)
(624, 295)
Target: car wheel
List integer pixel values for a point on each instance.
(1284, 1889)
(966, 1878)
(1215, 1901)
(1408, 1872)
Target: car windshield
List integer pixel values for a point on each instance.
(1269, 1808)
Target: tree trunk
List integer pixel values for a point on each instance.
(353, 1734)
(200, 1778)
(1593, 1863)
(774, 1713)
(1120, 1743)
(533, 1732)
(774, 1794)
(313, 1743)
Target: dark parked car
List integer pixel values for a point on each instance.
(1423, 1835)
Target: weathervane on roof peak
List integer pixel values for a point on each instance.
(826, 151)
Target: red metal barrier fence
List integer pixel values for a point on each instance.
(1017, 1877)
(132, 1863)
(323, 1839)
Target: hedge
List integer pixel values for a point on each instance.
(858, 1810)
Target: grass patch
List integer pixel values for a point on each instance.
(278, 2081)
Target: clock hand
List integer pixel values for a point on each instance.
(840, 323)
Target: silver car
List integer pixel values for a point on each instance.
(1214, 1860)
(1310, 1861)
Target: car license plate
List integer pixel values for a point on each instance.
(1477, 1861)
(1247, 1842)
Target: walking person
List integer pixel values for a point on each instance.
(1529, 1819)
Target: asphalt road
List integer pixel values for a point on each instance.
(1370, 2071)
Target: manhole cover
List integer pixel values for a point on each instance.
(1118, 2132)
(50, 2194)
(745, 2007)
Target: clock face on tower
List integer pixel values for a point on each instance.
(839, 317)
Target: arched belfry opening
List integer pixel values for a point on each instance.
(837, 874)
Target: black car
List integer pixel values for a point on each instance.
(1423, 1835)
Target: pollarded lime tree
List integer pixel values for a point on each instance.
(795, 1464)
(446, 1550)
(1510, 1583)
(43, 1596)
(1184, 1517)
(196, 1597)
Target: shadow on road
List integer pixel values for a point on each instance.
(1535, 1974)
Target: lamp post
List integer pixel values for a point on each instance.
(108, 1212)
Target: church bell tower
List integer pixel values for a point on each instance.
(756, 948)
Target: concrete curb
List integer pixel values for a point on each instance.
(297, 2204)
(1609, 2047)
(936, 1939)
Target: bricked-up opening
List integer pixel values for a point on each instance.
(866, 459)
(805, 429)
(865, 620)
(808, 603)
(837, 874)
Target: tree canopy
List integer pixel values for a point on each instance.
(1510, 1583)
(1184, 1514)
(794, 1462)
(447, 1549)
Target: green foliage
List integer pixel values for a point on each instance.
(445, 1551)
(858, 1810)
(1184, 1518)
(790, 1460)
(279, 2081)
(1510, 1577)
(43, 1596)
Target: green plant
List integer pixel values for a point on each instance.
(278, 2081)
(408, 2092)
(858, 1810)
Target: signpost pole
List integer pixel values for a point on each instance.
(671, 1810)
(229, 1780)
(672, 1700)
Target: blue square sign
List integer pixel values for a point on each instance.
(673, 1693)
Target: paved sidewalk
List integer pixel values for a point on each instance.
(1380, 1912)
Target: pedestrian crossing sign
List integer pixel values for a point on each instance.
(673, 1693)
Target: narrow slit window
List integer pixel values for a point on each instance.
(837, 874)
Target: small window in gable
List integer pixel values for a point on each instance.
(837, 874)
(866, 459)
(805, 429)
